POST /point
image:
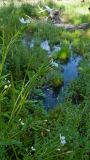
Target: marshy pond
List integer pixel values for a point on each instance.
(68, 70)
(69, 73)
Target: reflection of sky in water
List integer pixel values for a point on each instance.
(45, 45)
(71, 69)
(56, 48)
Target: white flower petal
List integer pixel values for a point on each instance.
(33, 149)
(58, 149)
(23, 21)
(48, 130)
(6, 86)
(8, 81)
(22, 123)
(45, 120)
(62, 138)
(9, 85)
(19, 119)
(63, 142)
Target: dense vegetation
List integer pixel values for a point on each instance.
(27, 130)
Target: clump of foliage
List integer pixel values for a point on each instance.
(54, 78)
(62, 55)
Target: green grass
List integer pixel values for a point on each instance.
(27, 130)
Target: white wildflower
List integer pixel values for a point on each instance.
(19, 119)
(22, 123)
(8, 81)
(48, 130)
(9, 85)
(54, 63)
(23, 21)
(33, 149)
(62, 140)
(6, 86)
(62, 137)
(45, 120)
(58, 149)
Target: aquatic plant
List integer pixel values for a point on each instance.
(62, 55)
(54, 78)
